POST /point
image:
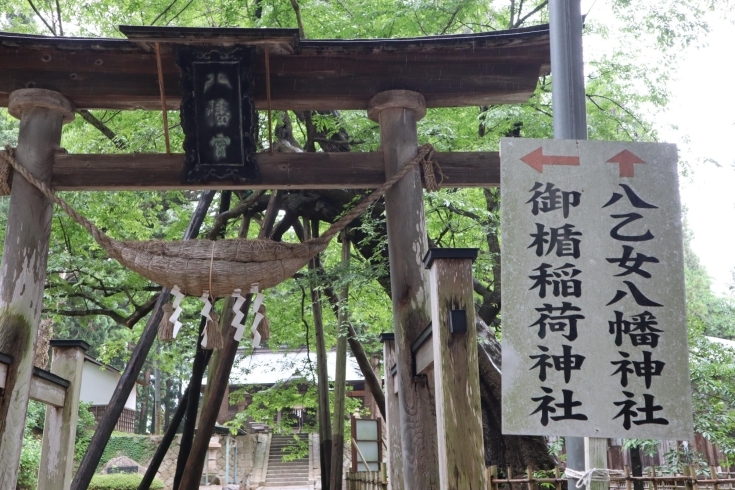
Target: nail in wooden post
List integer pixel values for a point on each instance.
(456, 372)
(23, 270)
(60, 426)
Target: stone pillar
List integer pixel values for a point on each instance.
(397, 112)
(60, 426)
(456, 372)
(23, 271)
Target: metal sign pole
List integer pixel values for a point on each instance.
(570, 118)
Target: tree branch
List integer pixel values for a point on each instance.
(523, 19)
(58, 14)
(53, 31)
(104, 129)
(299, 21)
(165, 11)
(241, 208)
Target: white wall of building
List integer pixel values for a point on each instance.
(98, 384)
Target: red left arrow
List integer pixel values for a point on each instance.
(536, 160)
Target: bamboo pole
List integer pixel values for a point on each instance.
(713, 475)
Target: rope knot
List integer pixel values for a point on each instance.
(430, 168)
(6, 171)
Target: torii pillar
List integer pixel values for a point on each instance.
(397, 112)
(23, 271)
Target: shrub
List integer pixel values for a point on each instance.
(30, 460)
(121, 481)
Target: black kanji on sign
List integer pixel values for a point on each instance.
(633, 265)
(552, 198)
(638, 296)
(563, 240)
(567, 405)
(566, 363)
(633, 198)
(646, 369)
(558, 319)
(561, 279)
(218, 114)
(629, 218)
(630, 410)
(641, 329)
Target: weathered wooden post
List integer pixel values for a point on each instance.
(338, 421)
(456, 372)
(395, 463)
(60, 426)
(23, 271)
(397, 112)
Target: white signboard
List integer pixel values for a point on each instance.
(594, 327)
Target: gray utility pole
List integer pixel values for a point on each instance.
(570, 118)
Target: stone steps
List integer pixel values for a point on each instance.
(285, 474)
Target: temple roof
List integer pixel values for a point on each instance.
(496, 67)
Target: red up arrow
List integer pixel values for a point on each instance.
(536, 160)
(626, 159)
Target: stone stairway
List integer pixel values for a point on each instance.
(286, 473)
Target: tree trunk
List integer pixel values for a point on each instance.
(325, 428)
(340, 376)
(201, 357)
(127, 381)
(162, 449)
(143, 419)
(220, 368)
(502, 450)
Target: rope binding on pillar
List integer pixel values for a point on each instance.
(6, 177)
(219, 267)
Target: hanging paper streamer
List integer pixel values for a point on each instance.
(258, 316)
(206, 309)
(239, 315)
(178, 298)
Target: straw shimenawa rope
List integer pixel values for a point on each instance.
(222, 266)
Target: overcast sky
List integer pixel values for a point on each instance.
(701, 121)
(704, 109)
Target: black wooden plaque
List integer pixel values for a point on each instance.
(218, 114)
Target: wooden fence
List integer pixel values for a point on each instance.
(690, 480)
(367, 480)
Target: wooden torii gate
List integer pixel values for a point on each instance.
(45, 80)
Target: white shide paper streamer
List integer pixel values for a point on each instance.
(206, 309)
(239, 315)
(178, 298)
(258, 316)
